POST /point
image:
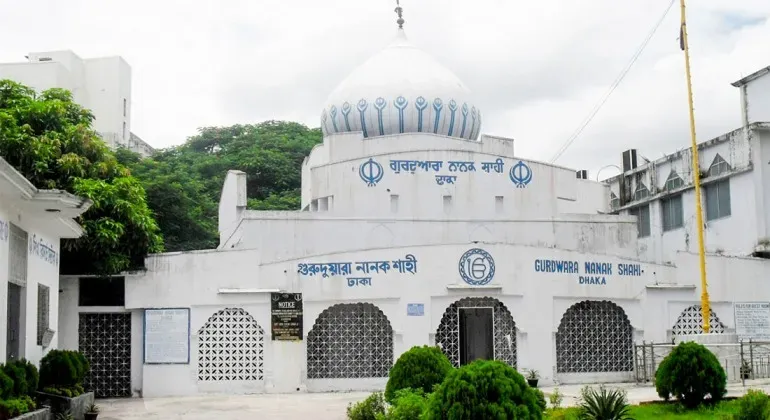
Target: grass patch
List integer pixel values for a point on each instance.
(660, 411)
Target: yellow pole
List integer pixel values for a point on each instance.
(704, 297)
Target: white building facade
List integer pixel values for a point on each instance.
(417, 229)
(32, 223)
(102, 85)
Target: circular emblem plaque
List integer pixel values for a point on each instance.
(477, 267)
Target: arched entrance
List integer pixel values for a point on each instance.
(690, 321)
(350, 340)
(594, 336)
(231, 347)
(477, 327)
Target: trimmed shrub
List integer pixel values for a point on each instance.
(484, 389)
(540, 399)
(690, 373)
(63, 369)
(32, 375)
(408, 404)
(603, 404)
(418, 368)
(754, 405)
(15, 407)
(6, 385)
(18, 375)
(372, 408)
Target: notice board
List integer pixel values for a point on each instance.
(167, 336)
(286, 314)
(752, 320)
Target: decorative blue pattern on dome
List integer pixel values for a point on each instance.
(333, 113)
(420, 103)
(400, 103)
(362, 105)
(473, 122)
(464, 111)
(437, 105)
(453, 108)
(345, 112)
(380, 103)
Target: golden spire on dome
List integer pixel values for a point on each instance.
(399, 11)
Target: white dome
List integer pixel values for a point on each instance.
(401, 90)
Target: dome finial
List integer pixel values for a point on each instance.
(399, 11)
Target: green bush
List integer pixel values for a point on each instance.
(372, 408)
(540, 399)
(6, 385)
(408, 404)
(63, 369)
(19, 377)
(556, 398)
(603, 404)
(754, 405)
(418, 368)
(484, 389)
(690, 373)
(15, 407)
(32, 375)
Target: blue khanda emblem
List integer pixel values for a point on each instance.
(520, 174)
(371, 172)
(477, 267)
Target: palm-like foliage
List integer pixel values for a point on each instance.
(604, 404)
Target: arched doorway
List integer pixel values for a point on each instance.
(594, 336)
(475, 322)
(231, 347)
(350, 340)
(690, 321)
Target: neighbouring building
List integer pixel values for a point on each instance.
(417, 229)
(32, 222)
(102, 85)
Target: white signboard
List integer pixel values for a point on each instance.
(167, 336)
(752, 320)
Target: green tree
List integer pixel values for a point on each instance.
(49, 139)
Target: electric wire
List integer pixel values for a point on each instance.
(614, 86)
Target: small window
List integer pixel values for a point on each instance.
(614, 201)
(394, 203)
(672, 213)
(674, 181)
(499, 204)
(43, 311)
(102, 291)
(643, 219)
(719, 166)
(447, 203)
(124, 130)
(717, 200)
(641, 190)
(124, 106)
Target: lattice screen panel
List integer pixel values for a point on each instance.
(105, 340)
(352, 340)
(594, 336)
(231, 347)
(690, 321)
(448, 332)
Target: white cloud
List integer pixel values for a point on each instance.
(537, 68)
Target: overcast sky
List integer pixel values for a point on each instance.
(537, 68)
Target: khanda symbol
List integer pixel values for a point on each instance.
(520, 174)
(371, 172)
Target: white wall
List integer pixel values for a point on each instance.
(757, 100)
(39, 271)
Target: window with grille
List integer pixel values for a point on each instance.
(614, 201)
(672, 213)
(674, 181)
(717, 200)
(43, 311)
(641, 191)
(642, 214)
(719, 166)
(17, 271)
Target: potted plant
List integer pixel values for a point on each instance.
(745, 370)
(532, 378)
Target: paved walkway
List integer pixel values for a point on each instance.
(325, 406)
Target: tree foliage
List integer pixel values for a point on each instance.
(690, 373)
(49, 139)
(184, 183)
